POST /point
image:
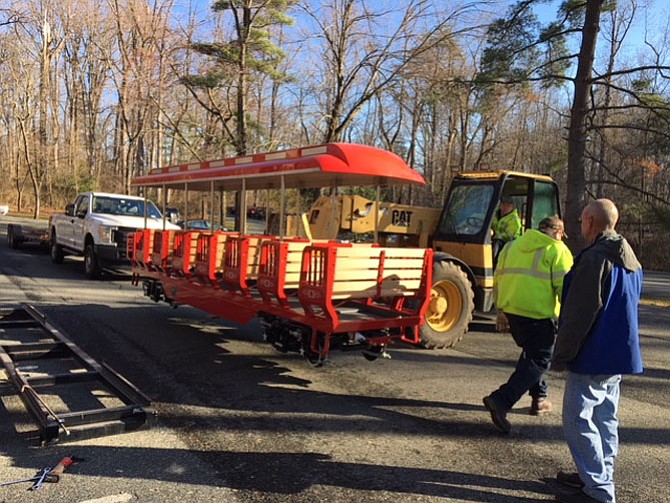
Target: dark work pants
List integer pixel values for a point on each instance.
(536, 338)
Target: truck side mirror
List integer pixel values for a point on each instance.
(172, 215)
(69, 210)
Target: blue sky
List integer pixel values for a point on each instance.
(653, 14)
(652, 20)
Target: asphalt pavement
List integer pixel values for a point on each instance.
(241, 422)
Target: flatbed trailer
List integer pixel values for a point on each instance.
(69, 395)
(34, 234)
(311, 296)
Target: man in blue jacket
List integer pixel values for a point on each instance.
(597, 342)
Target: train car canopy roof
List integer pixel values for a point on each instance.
(327, 165)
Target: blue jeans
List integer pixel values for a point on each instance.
(536, 338)
(590, 423)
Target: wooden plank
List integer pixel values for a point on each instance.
(403, 263)
(404, 253)
(294, 267)
(254, 256)
(407, 284)
(362, 274)
(390, 292)
(366, 252)
(366, 288)
(355, 274)
(221, 251)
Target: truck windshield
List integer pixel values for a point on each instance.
(123, 207)
(467, 209)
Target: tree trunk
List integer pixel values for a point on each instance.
(577, 137)
(242, 84)
(36, 194)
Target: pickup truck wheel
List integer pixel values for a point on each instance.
(91, 264)
(55, 250)
(450, 309)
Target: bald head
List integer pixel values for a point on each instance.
(598, 216)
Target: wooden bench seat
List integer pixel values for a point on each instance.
(144, 241)
(335, 273)
(242, 262)
(183, 252)
(280, 267)
(161, 250)
(377, 272)
(210, 253)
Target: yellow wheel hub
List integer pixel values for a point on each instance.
(445, 306)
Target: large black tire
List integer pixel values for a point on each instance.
(55, 250)
(91, 265)
(450, 309)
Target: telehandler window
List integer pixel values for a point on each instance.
(545, 202)
(467, 209)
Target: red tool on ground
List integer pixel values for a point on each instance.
(63, 465)
(56, 471)
(50, 475)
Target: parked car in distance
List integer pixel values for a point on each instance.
(254, 212)
(199, 225)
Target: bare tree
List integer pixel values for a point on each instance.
(41, 39)
(357, 64)
(138, 78)
(85, 72)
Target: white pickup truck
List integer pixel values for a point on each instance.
(97, 226)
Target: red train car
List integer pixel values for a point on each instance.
(311, 296)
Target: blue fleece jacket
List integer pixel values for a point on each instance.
(598, 326)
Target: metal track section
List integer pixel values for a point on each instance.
(68, 394)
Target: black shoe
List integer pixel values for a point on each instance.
(575, 496)
(570, 479)
(498, 415)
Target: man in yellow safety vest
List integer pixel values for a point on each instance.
(527, 287)
(506, 221)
